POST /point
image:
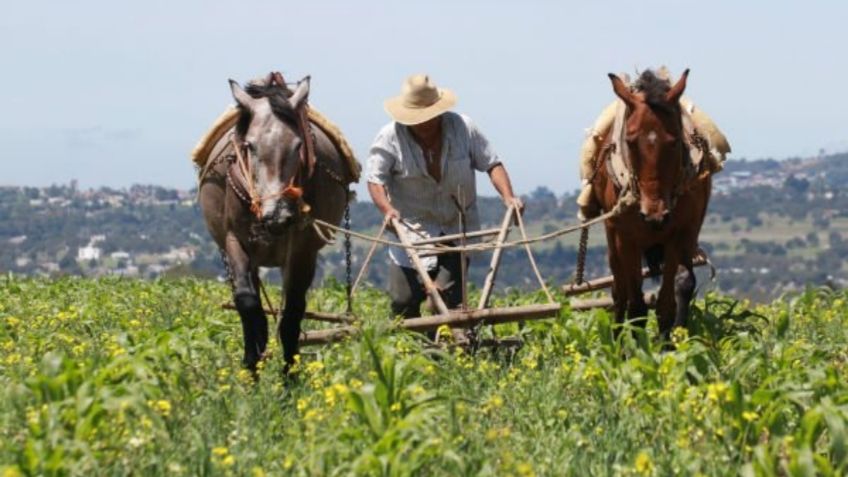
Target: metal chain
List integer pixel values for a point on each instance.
(348, 277)
(227, 269)
(581, 256)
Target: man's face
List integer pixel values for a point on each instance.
(428, 128)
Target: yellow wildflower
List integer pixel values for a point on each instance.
(244, 376)
(679, 335)
(495, 433)
(314, 367)
(525, 469)
(162, 406)
(643, 464)
(13, 471)
(312, 415)
(717, 391)
(220, 451)
(493, 403)
(750, 416)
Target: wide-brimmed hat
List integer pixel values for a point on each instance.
(419, 101)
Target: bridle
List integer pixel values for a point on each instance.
(240, 173)
(633, 184)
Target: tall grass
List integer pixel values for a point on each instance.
(117, 377)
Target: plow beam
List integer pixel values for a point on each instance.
(488, 316)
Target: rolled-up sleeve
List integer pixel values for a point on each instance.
(381, 161)
(483, 156)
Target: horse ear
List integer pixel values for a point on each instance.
(621, 90)
(242, 98)
(676, 91)
(301, 93)
(276, 78)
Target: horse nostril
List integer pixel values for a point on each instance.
(643, 215)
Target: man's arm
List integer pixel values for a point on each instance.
(500, 179)
(483, 158)
(381, 199)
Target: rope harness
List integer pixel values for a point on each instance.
(325, 231)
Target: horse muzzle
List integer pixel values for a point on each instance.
(655, 213)
(276, 218)
(656, 221)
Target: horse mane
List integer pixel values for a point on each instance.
(654, 88)
(278, 96)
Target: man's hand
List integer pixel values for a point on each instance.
(392, 213)
(515, 202)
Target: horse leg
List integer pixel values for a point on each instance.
(254, 323)
(684, 289)
(619, 282)
(298, 275)
(666, 306)
(262, 329)
(637, 309)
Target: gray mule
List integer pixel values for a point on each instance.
(274, 232)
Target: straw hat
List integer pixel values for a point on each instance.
(420, 100)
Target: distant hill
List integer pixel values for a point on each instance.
(773, 226)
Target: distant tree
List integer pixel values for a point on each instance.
(834, 239)
(813, 239)
(820, 221)
(754, 221)
(795, 185)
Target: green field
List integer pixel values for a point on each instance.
(119, 377)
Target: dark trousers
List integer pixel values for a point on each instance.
(407, 292)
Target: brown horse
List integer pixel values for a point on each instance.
(254, 199)
(670, 206)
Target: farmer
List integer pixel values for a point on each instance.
(421, 170)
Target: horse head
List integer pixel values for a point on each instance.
(270, 145)
(654, 142)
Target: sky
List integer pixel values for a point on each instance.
(113, 93)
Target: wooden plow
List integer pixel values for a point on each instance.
(465, 317)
